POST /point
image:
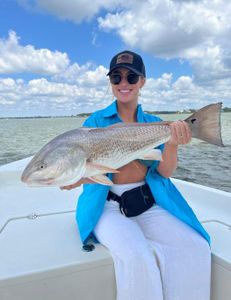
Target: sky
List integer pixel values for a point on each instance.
(55, 54)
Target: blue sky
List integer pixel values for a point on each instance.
(54, 54)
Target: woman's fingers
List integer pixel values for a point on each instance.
(76, 184)
(180, 133)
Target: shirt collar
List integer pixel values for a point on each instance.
(140, 114)
(111, 110)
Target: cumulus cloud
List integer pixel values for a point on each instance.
(79, 89)
(164, 93)
(44, 97)
(87, 75)
(66, 88)
(15, 58)
(73, 10)
(197, 31)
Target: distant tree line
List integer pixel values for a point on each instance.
(227, 109)
(185, 111)
(85, 115)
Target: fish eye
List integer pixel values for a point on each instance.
(41, 165)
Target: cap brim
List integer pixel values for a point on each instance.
(126, 67)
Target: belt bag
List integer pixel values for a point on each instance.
(135, 201)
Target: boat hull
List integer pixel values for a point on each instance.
(41, 252)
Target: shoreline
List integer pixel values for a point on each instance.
(85, 115)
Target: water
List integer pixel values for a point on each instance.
(206, 164)
(198, 162)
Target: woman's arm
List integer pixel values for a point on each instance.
(180, 135)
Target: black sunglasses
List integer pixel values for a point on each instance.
(132, 78)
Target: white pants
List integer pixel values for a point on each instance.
(156, 256)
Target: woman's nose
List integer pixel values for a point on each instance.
(124, 80)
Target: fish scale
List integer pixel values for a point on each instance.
(120, 142)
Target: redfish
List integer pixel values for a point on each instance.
(94, 152)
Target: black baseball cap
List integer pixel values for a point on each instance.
(129, 60)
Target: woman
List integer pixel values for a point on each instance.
(163, 252)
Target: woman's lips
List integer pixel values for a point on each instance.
(125, 91)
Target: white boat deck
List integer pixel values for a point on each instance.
(41, 254)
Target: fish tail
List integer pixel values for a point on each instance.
(205, 124)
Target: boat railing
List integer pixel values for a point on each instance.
(217, 221)
(33, 216)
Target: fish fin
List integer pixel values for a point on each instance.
(103, 169)
(153, 154)
(87, 128)
(205, 124)
(101, 179)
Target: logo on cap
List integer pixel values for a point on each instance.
(124, 58)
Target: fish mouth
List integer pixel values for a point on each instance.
(25, 178)
(37, 182)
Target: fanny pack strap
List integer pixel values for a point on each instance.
(113, 196)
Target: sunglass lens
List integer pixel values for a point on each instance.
(132, 78)
(115, 78)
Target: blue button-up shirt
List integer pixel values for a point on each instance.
(91, 201)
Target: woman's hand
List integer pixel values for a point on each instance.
(180, 133)
(76, 184)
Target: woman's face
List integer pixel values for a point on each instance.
(126, 92)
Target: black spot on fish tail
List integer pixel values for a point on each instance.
(193, 120)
